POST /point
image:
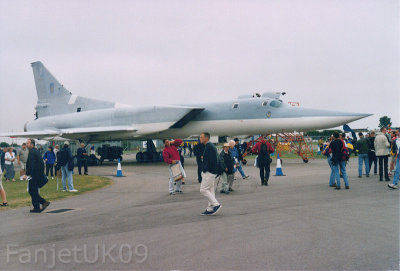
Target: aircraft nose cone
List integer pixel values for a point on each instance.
(355, 116)
(315, 119)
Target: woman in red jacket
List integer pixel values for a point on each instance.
(171, 157)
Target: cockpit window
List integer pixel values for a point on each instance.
(264, 103)
(235, 105)
(275, 103)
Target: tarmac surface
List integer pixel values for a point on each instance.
(296, 223)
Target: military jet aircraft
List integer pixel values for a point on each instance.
(59, 113)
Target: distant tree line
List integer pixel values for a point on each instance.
(323, 133)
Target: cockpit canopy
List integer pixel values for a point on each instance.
(272, 95)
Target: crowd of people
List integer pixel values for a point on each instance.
(54, 161)
(212, 166)
(379, 149)
(372, 149)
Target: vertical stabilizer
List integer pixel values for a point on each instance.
(54, 99)
(47, 86)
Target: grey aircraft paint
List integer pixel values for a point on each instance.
(62, 114)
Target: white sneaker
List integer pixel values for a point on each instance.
(392, 186)
(64, 190)
(52, 178)
(73, 190)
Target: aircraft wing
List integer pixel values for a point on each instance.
(94, 133)
(182, 114)
(73, 133)
(33, 134)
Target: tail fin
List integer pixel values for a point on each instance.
(54, 99)
(47, 86)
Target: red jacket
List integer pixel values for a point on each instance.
(256, 148)
(171, 153)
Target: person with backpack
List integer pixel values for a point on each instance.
(362, 146)
(66, 161)
(263, 148)
(382, 145)
(226, 166)
(397, 159)
(35, 169)
(339, 156)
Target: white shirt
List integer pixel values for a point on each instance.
(9, 156)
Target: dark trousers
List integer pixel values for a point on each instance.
(264, 171)
(198, 159)
(383, 166)
(49, 168)
(372, 159)
(34, 192)
(82, 162)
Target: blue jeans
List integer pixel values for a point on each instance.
(332, 177)
(67, 174)
(240, 169)
(397, 172)
(363, 158)
(342, 166)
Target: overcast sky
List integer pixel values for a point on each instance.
(339, 55)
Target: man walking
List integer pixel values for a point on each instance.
(263, 148)
(22, 158)
(209, 173)
(198, 152)
(362, 146)
(171, 157)
(81, 156)
(382, 145)
(35, 169)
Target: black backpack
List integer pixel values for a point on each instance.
(63, 157)
(393, 147)
(263, 149)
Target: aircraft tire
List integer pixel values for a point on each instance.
(139, 157)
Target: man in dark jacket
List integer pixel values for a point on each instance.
(336, 150)
(66, 161)
(362, 146)
(227, 165)
(2, 158)
(81, 156)
(35, 169)
(210, 171)
(372, 159)
(198, 152)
